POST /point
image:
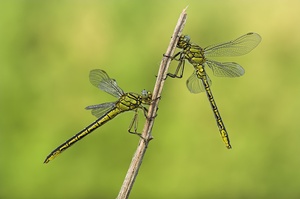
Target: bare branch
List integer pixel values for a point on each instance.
(143, 144)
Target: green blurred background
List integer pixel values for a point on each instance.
(47, 49)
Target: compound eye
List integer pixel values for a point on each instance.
(144, 93)
(186, 38)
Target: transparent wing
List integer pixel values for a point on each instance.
(101, 80)
(99, 110)
(225, 69)
(195, 85)
(237, 47)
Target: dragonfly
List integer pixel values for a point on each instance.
(199, 57)
(107, 111)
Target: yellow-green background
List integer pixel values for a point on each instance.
(47, 49)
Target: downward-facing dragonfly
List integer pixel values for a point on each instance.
(107, 111)
(199, 81)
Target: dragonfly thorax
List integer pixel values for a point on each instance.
(128, 101)
(194, 54)
(190, 51)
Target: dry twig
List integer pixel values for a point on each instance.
(162, 74)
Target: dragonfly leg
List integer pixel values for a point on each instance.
(168, 56)
(177, 56)
(154, 100)
(133, 127)
(180, 68)
(145, 110)
(173, 57)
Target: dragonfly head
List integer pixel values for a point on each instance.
(183, 41)
(146, 97)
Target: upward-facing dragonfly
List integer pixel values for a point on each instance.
(199, 81)
(107, 111)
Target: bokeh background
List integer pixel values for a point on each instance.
(47, 49)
